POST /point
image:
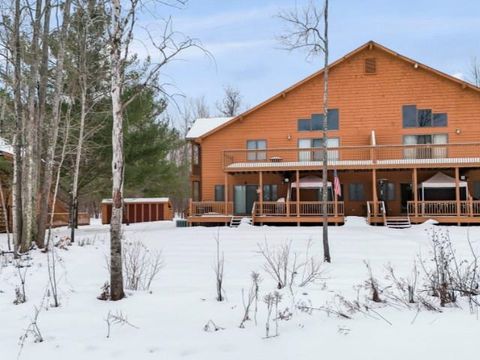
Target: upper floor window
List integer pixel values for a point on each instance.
(315, 154)
(425, 152)
(413, 117)
(255, 148)
(196, 154)
(315, 123)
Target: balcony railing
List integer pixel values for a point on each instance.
(368, 155)
(306, 208)
(444, 208)
(210, 208)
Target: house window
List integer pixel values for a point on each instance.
(414, 118)
(270, 192)
(304, 125)
(425, 152)
(356, 192)
(219, 192)
(196, 191)
(253, 147)
(476, 190)
(316, 121)
(196, 154)
(315, 154)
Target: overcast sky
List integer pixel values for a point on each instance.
(241, 35)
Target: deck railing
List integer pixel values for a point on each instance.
(306, 208)
(367, 155)
(445, 208)
(376, 209)
(210, 208)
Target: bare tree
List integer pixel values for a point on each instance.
(123, 17)
(18, 135)
(53, 132)
(231, 103)
(475, 72)
(305, 32)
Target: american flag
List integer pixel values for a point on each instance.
(336, 184)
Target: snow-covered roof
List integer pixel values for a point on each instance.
(5, 146)
(139, 200)
(204, 125)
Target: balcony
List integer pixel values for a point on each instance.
(354, 157)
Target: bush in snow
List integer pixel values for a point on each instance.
(21, 265)
(140, 265)
(285, 265)
(117, 318)
(447, 276)
(272, 300)
(251, 299)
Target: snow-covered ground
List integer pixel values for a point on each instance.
(170, 319)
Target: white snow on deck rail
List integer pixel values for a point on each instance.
(471, 160)
(139, 200)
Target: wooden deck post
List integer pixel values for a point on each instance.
(260, 193)
(225, 194)
(415, 191)
(457, 192)
(190, 207)
(297, 192)
(335, 202)
(374, 192)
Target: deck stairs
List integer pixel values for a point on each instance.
(397, 222)
(237, 220)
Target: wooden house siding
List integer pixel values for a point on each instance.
(366, 102)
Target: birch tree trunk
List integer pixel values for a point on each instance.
(326, 247)
(116, 276)
(18, 138)
(53, 130)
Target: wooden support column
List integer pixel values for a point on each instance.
(297, 192)
(260, 193)
(335, 200)
(225, 193)
(457, 192)
(374, 191)
(190, 207)
(415, 191)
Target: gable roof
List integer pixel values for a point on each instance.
(370, 45)
(202, 126)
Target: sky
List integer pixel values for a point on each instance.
(241, 35)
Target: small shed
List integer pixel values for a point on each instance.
(140, 210)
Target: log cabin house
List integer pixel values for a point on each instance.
(403, 138)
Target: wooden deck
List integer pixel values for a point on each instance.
(267, 212)
(310, 212)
